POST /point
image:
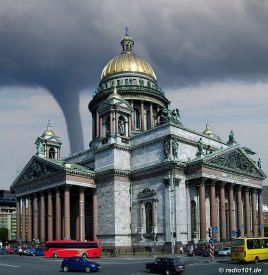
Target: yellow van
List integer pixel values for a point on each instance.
(249, 249)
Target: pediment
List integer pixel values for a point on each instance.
(120, 103)
(234, 160)
(53, 139)
(35, 169)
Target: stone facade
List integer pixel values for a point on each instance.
(146, 179)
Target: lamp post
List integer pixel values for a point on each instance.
(81, 222)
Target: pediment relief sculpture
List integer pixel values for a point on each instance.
(36, 170)
(235, 160)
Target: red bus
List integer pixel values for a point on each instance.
(69, 248)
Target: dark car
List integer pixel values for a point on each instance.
(198, 251)
(79, 264)
(3, 251)
(166, 265)
(38, 251)
(216, 251)
(206, 253)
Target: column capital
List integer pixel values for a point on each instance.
(246, 189)
(231, 185)
(200, 182)
(167, 182)
(82, 188)
(238, 187)
(57, 189)
(253, 190)
(213, 181)
(67, 187)
(176, 181)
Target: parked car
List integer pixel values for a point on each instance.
(206, 253)
(79, 264)
(3, 251)
(216, 251)
(190, 252)
(198, 251)
(166, 265)
(10, 250)
(26, 251)
(226, 251)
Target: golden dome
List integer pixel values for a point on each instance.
(208, 131)
(48, 131)
(127, 61)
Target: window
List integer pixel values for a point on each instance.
(148, 120)
(126, 81)
(130, 81)
(137, 119)
(51, 153)
(149, 217)
(108, 126)
(141, 82)
(250, 244)
(256, 244)
(148, 84)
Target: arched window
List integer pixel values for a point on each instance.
(51, 153)
(149, 217)
(148, 122)
(137, 119)
(107, 126)
(121, 125)
(193, 217)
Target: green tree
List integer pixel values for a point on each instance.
(266, 231)
(3, 234)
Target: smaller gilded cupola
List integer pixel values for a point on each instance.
(48, 145)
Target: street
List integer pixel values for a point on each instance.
(14, 264)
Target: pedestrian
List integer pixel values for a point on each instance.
(20, 251)
(181, 249)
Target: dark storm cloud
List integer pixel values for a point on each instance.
(63, 45)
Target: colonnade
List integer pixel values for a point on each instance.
(46, 215)
(246, 220)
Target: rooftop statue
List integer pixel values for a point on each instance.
(169, 115)
(259, 163)
(199, 148)
(231, 140)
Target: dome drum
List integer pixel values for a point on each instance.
(130, 93)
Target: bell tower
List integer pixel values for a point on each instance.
(48, 145)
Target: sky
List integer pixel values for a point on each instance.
(209, 56)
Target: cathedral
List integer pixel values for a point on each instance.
(146, 178)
